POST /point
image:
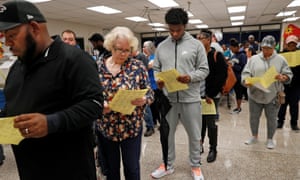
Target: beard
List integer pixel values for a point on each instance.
(29, 54)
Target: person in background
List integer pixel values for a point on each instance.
(216, 38)
(238, 61)
(68, 36)
(213, 86)
(182, 51)
(121, 134)
(98, 52)
(53, 103)
(148, 114)
(250, 51)
(227, 52)
(292, 90)
(253, 43)
(149, 51)
(260, 100)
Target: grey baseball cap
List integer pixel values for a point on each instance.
(268, 41)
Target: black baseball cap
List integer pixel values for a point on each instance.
(17, 12)
(96, 37)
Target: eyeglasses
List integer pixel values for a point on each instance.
(120, 51)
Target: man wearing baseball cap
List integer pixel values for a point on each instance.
(53, 93)
(266, 100)
(292, 91)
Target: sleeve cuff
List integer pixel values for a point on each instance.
(53, 123)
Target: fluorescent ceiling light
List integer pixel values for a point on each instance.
(237, 23)
(164, 3)
(190, 14)
(136, 19)
(237, 18)
(202, 26)
(159, 29)
(295, 3)
(236, 9)
(156, 24)
(104, 10)
(286, 13)
(195, 21)
(37, 1)
(290, 19)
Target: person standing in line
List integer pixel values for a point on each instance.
(98, 52)
(292, 90)
(54, 93)
(260, 100)
(187, 55)
(121, 134)
(213, 86)
(253, 43)
(149, 51)
(68, 36)
(148, 113)
(238, 60)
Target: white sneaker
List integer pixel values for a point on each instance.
(252, 140)
(270, 144)
(161, 171)
(197, 173)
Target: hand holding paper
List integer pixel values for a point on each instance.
(123, 99)
(264, 81)
(9, 134)
(170, 80)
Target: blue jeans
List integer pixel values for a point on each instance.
(148, 118)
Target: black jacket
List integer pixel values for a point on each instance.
(217, 73)
(64, 85)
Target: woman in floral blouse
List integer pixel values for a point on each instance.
(120, 134)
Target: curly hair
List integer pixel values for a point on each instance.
(176, 16)
(120, 32)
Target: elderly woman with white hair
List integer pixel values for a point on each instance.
(121, 133)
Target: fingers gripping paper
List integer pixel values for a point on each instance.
(9, 134)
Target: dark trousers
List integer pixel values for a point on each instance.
(1, 153)
(154, 109)
(291, 99)
(209, 122)
(130, 149)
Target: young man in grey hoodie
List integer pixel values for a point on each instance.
(188, 56)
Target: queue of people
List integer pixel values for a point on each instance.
(56, 108)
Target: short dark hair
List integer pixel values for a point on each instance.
(96, 37)
(69, 31)
(176, 16)
(234, 42)
(207, 33)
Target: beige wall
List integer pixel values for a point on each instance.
(84, 31)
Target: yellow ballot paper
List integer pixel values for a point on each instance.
(292, 58)
(264, 81)
(122, 100)
(208, 109)
(9, 134)
(169, 77)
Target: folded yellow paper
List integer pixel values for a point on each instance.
(208, 109)
(9, 134)
(122, 100)
(292, 58)
(171, 83)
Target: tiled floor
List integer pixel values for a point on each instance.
(235, 161)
